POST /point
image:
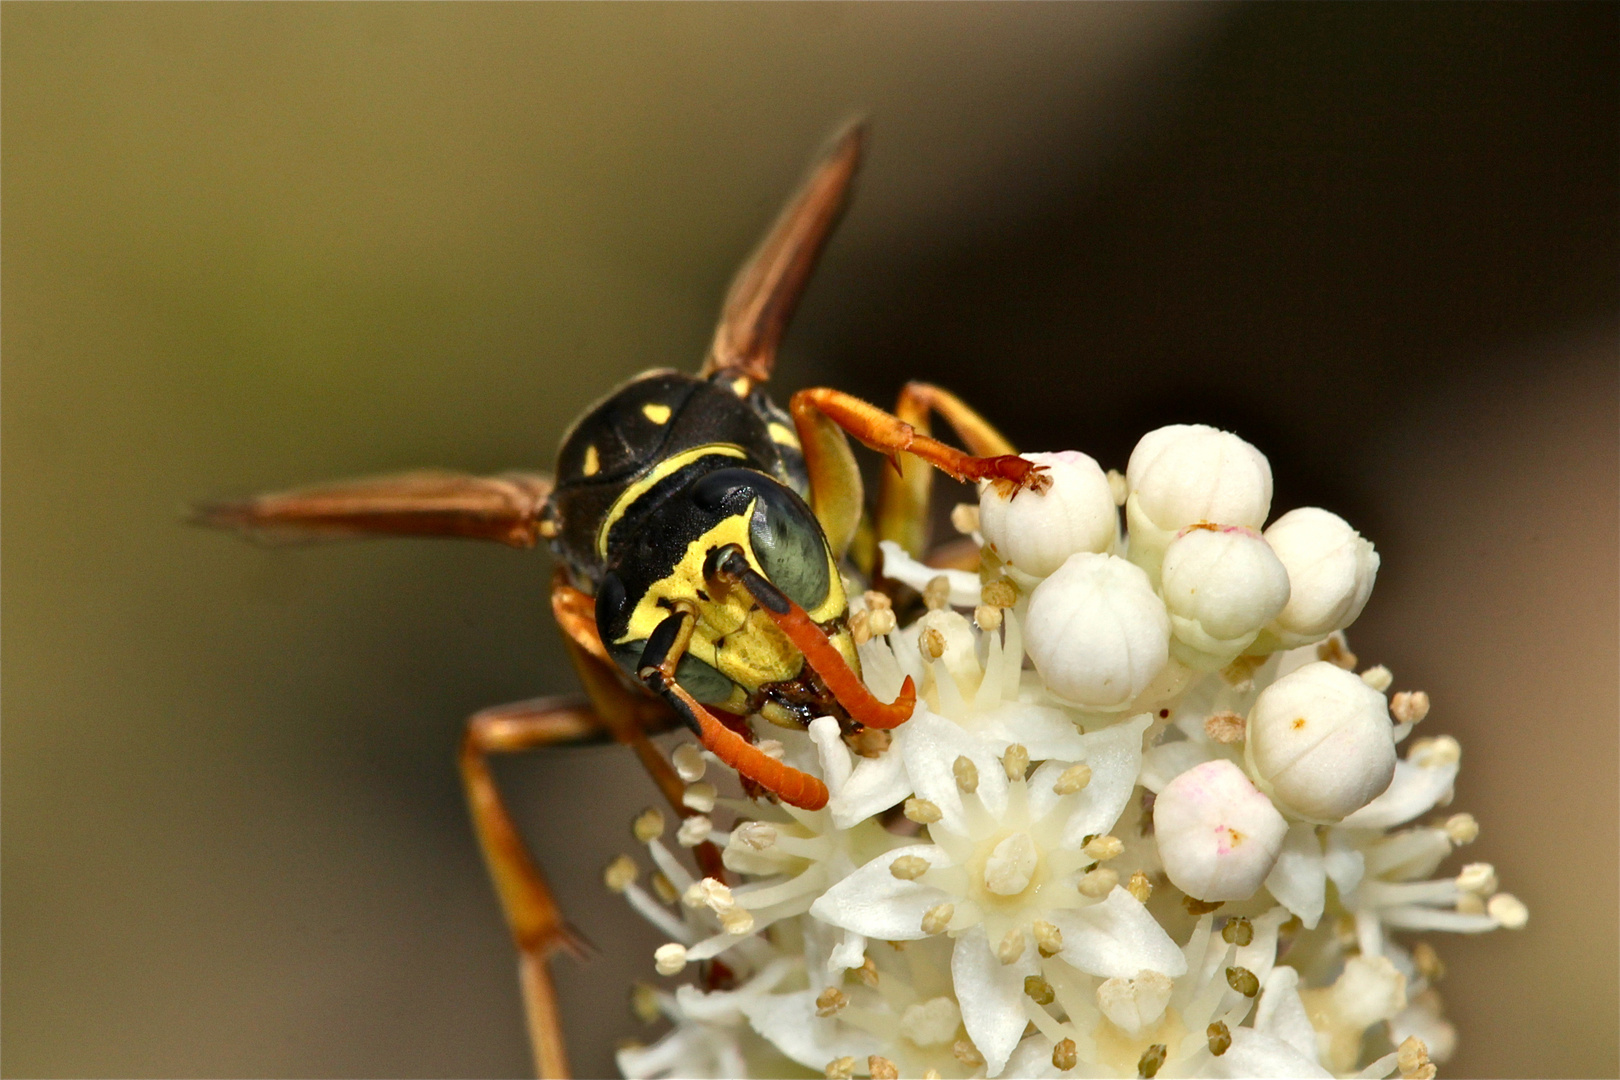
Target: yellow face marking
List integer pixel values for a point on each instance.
(593, 464)
(658, 414)
(658, 472)
(781, 433)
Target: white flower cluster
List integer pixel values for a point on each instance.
(1177, 841)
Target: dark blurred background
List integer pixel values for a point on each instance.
(253, 245)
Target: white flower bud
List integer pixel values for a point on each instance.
(1218, 836)
(1097, 631)
(1221, 584)
(1036, 531)
(1321, 743)
(1187, 473)
(1330, 575)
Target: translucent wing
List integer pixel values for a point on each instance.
(504, 508)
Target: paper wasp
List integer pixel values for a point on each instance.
(699, 530)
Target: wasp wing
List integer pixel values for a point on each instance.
(504, 508)
(766, 290)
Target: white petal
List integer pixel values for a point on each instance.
(965, 586)
(1033, 1059)
(875, 785)
(1298, 881)
(1343, 863)
(1117, 938)
(1115, 757)
(874, 902)
(1282, 1014)
(1263, 1057)
(849, 953)
(932, 746)
(991, 995)
(1414, 791)
(789, 1021)
(1044, 730)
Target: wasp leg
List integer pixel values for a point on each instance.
(767, 288)
(903, 497)
(629, 716)
(532, 915)
(732, 567)
(505, 509)
(658, 662)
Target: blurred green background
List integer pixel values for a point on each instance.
(247, 246)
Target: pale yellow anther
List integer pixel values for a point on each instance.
(931, 1074)
(1428, 962)
(1140, 887)
(882, 1068)
(620, 874)
(649, 825)
(1072, 779)
(871, 742)
(867, 973)
(663, 888)
(693, 897)
(937, 593)
(688, 761)
(830, 1001)
(699, 796)
(1412, 1058)
(1243, 981)
(937, 918)
(876, 601)
(1508, 910)
(1039, 990)
(965, 518)
(1225, 728)
(931, 643)
(1048, 938)
(758, 835)
(1334, 651)
(1000, 593)
(1409, 706)
(1151, 1061)
(1011, 947)
(965, 1052)
(716, 894)
(1219, 1036)
(737, 921)
(966, 773)
(644, 1003)
(1461, 829)
(1378, 677)
(1065, 1055)
(922, 811)
(1435, 753)
(860, 628)
(881, 622)
(771, 748)
(988, 618)
(1117, 487)
(1103, 848)
(840, 1068)
(670, 959)
(909, 867)
(693, 831)
(1239, 932)
(1015, 761)
(1479, 877)
(1100, 882)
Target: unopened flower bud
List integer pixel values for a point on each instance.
(1221, 584)
(1320, 742)
(1331, 571)
(1035, 531)
(1187, 473)
(1097, 632)
(1218, 836)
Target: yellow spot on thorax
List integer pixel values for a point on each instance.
(593, 463)
(741, 386)
(658, 414)
(781, 433)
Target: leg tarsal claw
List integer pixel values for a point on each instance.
(1011, 474)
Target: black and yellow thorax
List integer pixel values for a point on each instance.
(654, 480)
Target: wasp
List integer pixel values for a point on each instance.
(699, 531)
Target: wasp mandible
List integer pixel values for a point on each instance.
(699, 531)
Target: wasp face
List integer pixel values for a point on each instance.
(737, 660)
